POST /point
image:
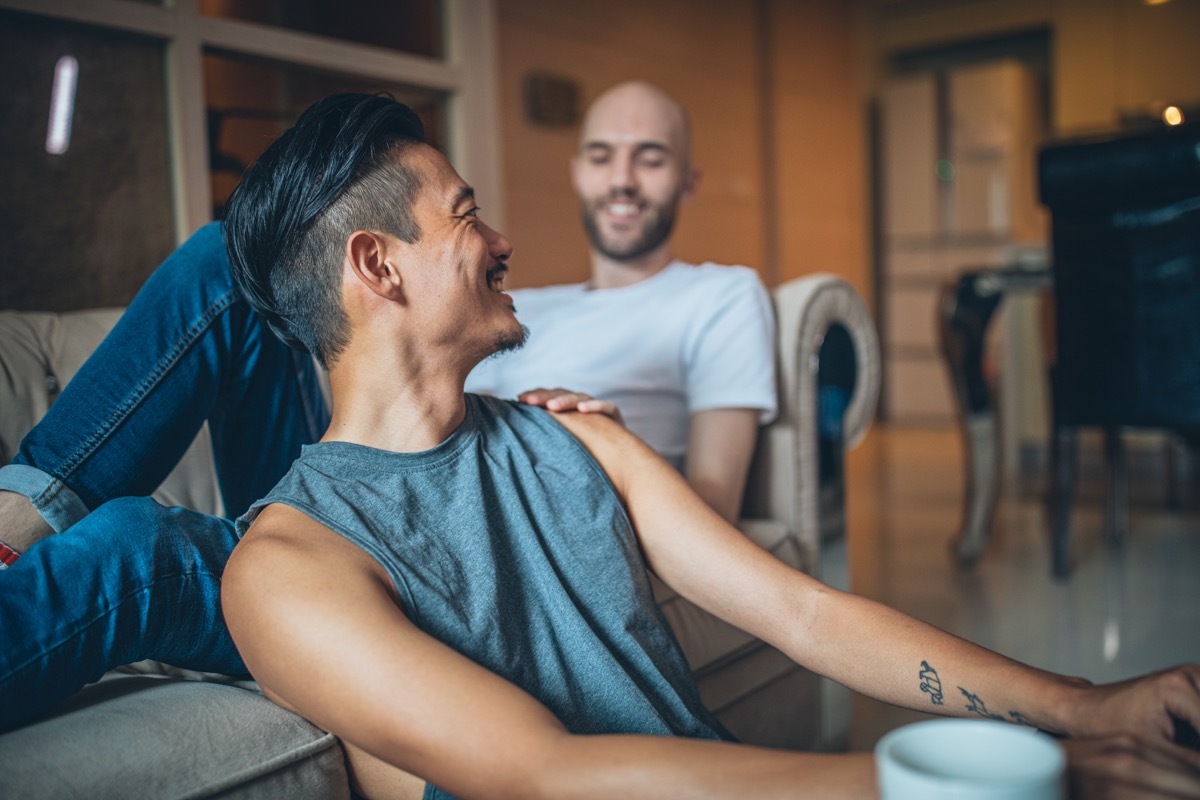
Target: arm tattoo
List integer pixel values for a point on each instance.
(1021, 719)
(931, 684)
(975, 704)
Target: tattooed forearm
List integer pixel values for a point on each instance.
(931, 684)
(975, 705)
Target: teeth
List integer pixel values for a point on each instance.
(622, 208)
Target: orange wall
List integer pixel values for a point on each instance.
(777, 127)
(819, 135)
(1109, 56)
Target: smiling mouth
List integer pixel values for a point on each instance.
(495, 277)
(621, 208)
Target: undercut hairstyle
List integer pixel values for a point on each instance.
(337, 170)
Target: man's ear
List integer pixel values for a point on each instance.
(368, 253)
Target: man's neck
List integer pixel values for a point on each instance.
(608, 273)
(401, 410)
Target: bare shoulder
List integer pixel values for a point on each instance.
(285, 549)
(279, 521)
(283, 532)
(289, 585)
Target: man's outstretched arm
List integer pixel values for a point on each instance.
(316, 622)
(871, 648)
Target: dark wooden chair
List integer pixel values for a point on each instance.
(1125, 214)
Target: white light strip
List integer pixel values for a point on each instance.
(62, 105)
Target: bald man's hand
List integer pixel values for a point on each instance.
(562, 400)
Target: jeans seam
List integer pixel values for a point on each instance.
(125, 408)
(47, 495)
(78, 632)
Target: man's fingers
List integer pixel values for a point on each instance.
(1149, 767)
(566, 400)
(542, 396)
(605, 407)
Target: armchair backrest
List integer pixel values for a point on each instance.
(784, 479)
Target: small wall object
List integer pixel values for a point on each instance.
(551, 100)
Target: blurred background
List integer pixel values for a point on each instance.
(891, 142)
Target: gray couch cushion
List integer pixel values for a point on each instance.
(157, 737)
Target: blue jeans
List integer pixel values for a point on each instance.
(127, 579)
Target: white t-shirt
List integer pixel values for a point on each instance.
(689, 338)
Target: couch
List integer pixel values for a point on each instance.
(150, 730)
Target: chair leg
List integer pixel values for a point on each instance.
(981, 488)
(965, 309)
(1116, 465)
(1064, 457)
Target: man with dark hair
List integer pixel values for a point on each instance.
(483, 563)
(371, 185)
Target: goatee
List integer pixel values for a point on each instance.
(657, 231)
(507, 342)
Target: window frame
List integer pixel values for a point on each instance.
(467, 76)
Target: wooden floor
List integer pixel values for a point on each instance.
(1121, 612)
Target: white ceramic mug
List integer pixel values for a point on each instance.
(969, 760)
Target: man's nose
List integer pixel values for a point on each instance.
(620, 174)
(499, 247)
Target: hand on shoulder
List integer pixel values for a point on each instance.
(563, 401)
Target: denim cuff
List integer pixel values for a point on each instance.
(58, 505)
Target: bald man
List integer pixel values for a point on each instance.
(684, 351)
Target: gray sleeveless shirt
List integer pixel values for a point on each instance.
(508, 543)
